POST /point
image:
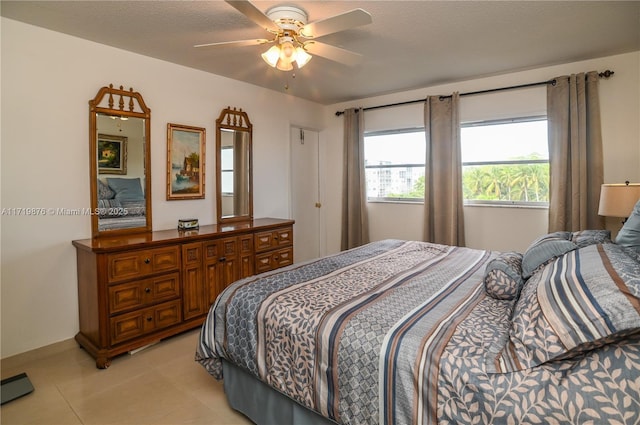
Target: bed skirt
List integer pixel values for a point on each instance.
(262, 404)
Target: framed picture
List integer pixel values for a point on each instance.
(185, 162)
(112, 154)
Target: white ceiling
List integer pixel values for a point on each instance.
(410, 44)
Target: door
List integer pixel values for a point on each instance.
(305, 192)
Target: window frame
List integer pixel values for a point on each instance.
(505, 203)
(396, 200)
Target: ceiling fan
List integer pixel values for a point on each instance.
(294, 38)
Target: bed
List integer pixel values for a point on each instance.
(121, 203)
(406, 332)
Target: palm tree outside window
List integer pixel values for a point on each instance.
(506, 162)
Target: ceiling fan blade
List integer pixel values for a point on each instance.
(344, 21)
(250, 11)
(239, 43)
(333, 53)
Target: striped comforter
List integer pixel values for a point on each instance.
(403, 332)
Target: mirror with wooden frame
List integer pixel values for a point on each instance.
(119, 150)
(234, 175)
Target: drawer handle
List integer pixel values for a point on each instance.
(149, 319)
(147, 261)
(222, 259)
(147, 290)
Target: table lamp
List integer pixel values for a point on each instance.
(618, 199)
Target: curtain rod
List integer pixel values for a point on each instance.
(606, 74)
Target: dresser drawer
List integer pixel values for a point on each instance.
(274, 259)
(135, 324)
(220, 249)
(265, 241)
(137, 294)
(140, 263)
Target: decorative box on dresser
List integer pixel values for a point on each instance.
(137, 289)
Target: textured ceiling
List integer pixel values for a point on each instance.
(410, 44)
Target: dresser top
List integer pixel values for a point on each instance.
(160, 237)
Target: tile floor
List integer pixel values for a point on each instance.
(161, 384)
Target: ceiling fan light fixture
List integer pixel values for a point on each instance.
(282, 55)
(272, 56)
(302, 57)
(284, 65)
(287, 51)
(288, 24)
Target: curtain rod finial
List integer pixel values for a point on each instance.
(606, 74)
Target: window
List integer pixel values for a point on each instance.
(503, 163)
(394, 165)
(506, 162)
(226, 168)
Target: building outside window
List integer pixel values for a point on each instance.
(394, 165)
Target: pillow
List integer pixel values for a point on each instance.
(133, 208)
(109, 208)
(503, 276)
(629, 235)
(104, 191)
(545, 249)
(590, 237)
(578, 302)
(126, 189)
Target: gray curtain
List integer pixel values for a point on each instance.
(444, 218)
(575, 153)
(355, 222)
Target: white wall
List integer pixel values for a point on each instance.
(47, 80)
(489, 227)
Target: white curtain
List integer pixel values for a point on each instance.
(355, 222)
(575, 153)
(444, 218)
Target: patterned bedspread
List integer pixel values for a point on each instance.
(403, 332)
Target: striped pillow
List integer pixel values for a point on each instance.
(582, 300)
(584, 238)
(545, 249)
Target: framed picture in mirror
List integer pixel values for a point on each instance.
(185, 162)
(112, 154)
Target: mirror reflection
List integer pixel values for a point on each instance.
(234, 175)
(120, 152)
(119, 125)
(233, 166)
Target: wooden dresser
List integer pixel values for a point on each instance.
(137, 289)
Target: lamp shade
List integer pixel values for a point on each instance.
(285, 53)
(302, 57)
(618, 199)
(272, 55)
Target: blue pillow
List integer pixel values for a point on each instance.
(545, 249)
(126, 189)
(629, 235)
(104, 191)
